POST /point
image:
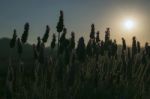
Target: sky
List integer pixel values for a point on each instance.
(78, 17)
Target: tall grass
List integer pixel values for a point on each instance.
(94, 71)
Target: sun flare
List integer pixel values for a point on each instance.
(129, 24)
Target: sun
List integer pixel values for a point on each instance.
(129, 24)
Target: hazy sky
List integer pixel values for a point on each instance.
(78, 17)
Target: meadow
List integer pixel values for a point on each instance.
(70, 70)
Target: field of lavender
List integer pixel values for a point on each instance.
(97, 70)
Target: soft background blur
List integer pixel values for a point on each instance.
(78, 17)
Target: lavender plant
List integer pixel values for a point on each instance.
(25, 33)
(75, 75)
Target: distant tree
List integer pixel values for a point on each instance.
(53, 43)
(138, 47)
(13, 40)
(81, 50)
(92, 34)
(46, 35)
(60, 25)
(25, 33)
(19, 47)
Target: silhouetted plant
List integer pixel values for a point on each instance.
(97, 49)
(62, 40)
(114, 49)
(102, 48)
(123, 44)
(81, 49)
(41, 54)
(38, 46)
(89, 48)
(64, 47)
(129, 54)
(92, 34)
(134, 47)
(46, 35)
(35, 52)
(9, 82)
(105, 76)
(129, 63)
(13, 40)
(107, 34)
(147, 49)
(107, 39)
(53, 43)
(67, 51)
(97, 37)
(19, 47)
(110, 49)
(60, 25)
(144, 61)
(72, 41)
(123, 61)
(138, 47)
(25, 33)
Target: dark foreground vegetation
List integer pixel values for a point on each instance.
(78, 71)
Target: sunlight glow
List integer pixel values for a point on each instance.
(129, 24)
